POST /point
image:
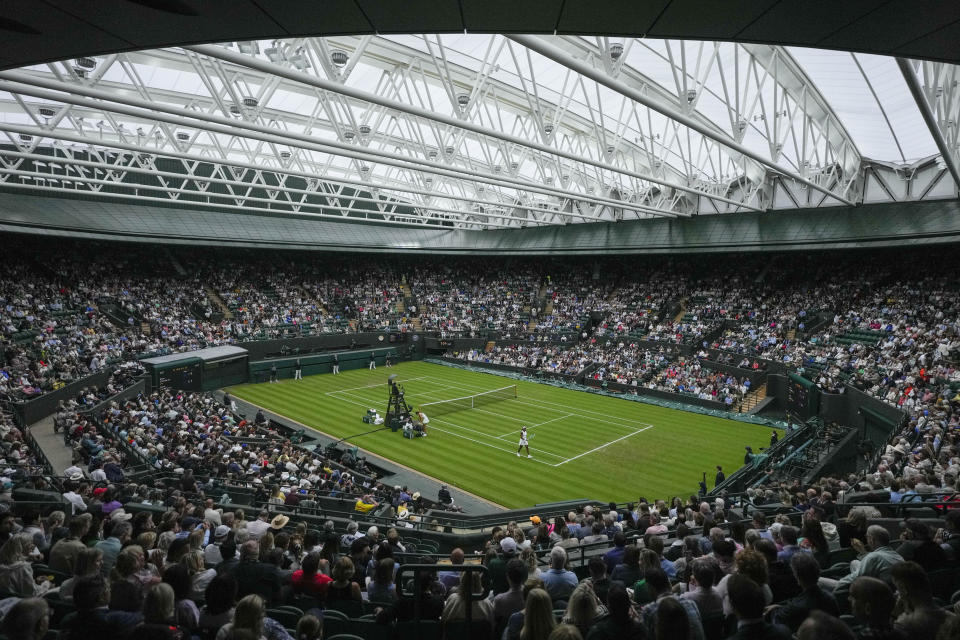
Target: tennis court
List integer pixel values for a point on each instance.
(583, 445)
(492, 418)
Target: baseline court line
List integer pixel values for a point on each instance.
(603, 445)
(368, 386)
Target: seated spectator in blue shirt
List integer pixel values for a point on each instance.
(559, 582)
(788, 535)
(615, 556)
(655, 544)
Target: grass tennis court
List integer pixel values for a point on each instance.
(584, 445)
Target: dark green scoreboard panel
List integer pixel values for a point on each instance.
(185, 374)
(803, 397)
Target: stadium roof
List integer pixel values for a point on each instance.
(480, 131)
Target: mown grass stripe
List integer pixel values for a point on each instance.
(656, 463)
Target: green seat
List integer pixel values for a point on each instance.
(370, 630)
(350, 608)
(335, 626)
(286, 616)
(427, 630)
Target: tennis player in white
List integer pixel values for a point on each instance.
(424, 420)
(523, 442)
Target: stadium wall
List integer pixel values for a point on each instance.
(262, 349)
(655, 393)
(32, 411)
(868, 225)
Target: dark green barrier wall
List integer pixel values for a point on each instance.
(321, 363)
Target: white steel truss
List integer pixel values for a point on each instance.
(454, 131)
(935, 88)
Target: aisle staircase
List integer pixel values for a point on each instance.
(682, 312)
(218, 302)
(753, 398)
(408, 295)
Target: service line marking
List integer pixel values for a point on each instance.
(533, 426)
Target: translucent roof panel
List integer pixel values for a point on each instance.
(871, 98)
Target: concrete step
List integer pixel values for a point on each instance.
(59, 455)
(218, 302)
(753, 398)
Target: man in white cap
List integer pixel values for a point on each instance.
(212, 553)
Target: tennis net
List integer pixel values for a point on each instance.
(468, 402)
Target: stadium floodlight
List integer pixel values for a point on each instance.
(47, 112)
(616, 50)
(548, 128)
(87, 64)
(339, 58)
(364, 130)
(463, 100)
(248, 47)
(250, 103)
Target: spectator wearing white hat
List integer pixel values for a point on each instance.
(213, 553)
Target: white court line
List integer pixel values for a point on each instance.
(540, 424)
(581, 412)
(366, 401)
(369, 386)
(487, 435)
(487, 444)
(603, 445)
(432, 420)
(359, 404)
(549, 406)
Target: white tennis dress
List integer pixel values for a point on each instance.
(523, 437)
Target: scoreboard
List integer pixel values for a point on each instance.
(803, 397)
(181, 375)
